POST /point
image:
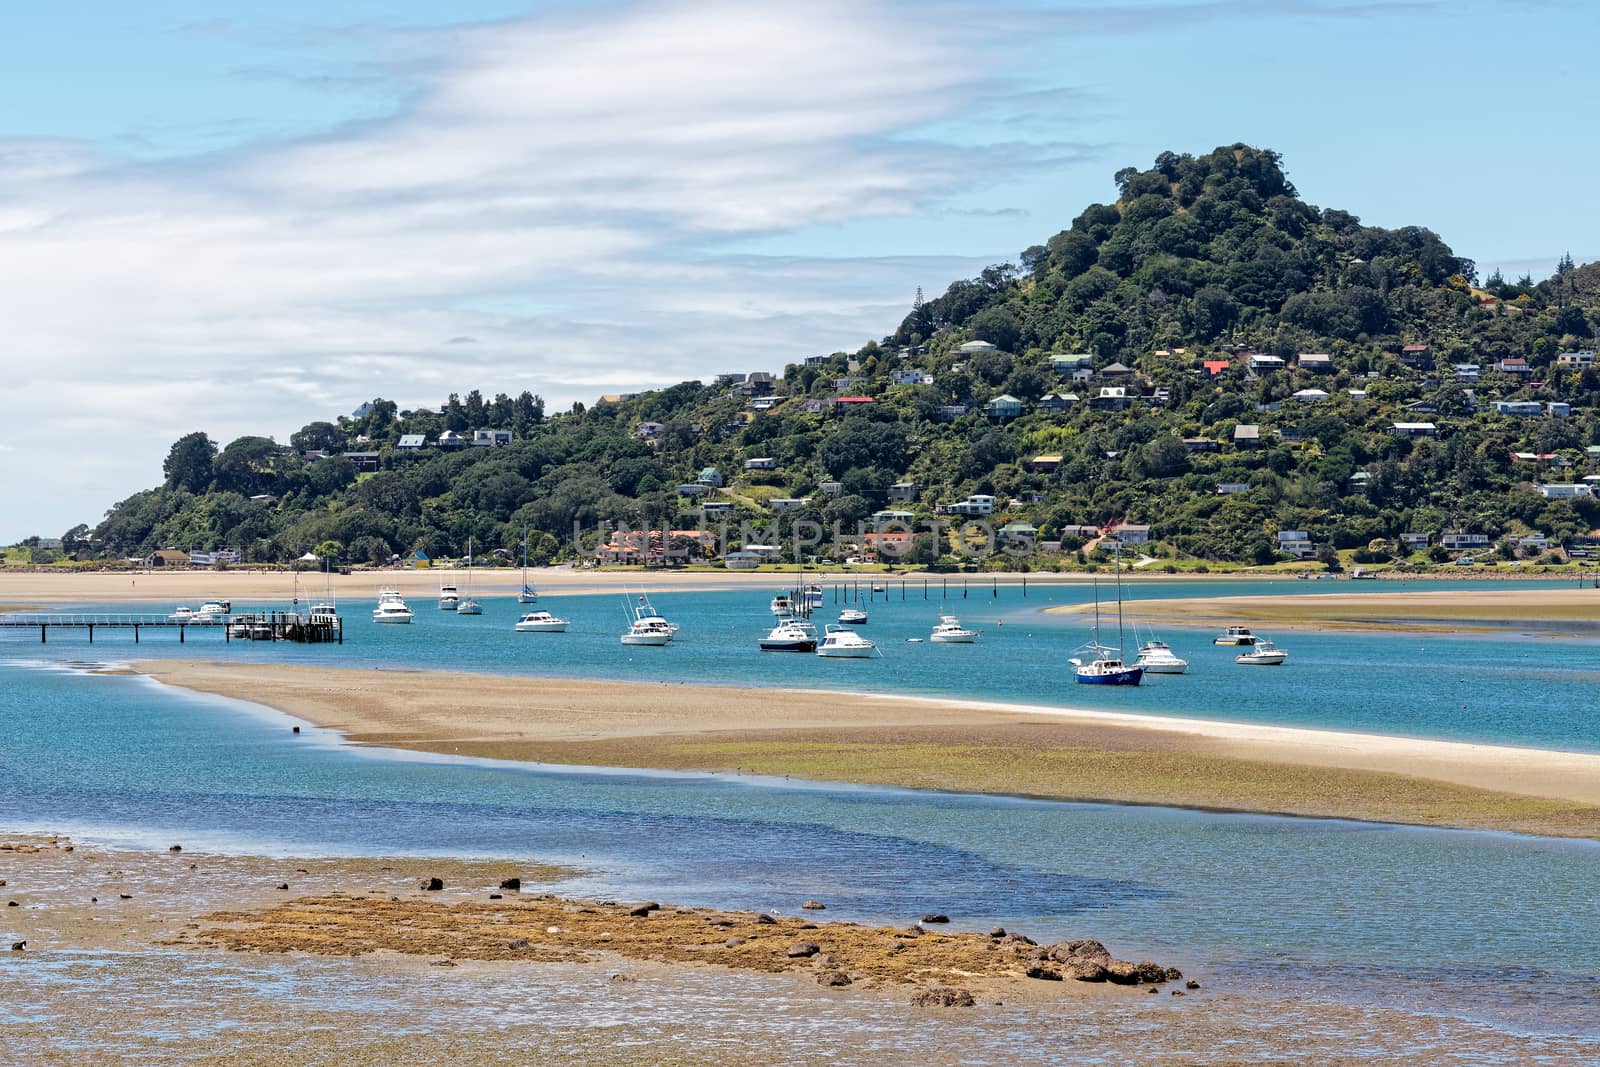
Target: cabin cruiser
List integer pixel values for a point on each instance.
(1235, 635)
(648, 631)
(182, 615)
(1263, 654)
(541, 622)
(951, 632)
(449, 597)
(853, 617)
(391, 608)
(782, 606)
(811, 596)
(468, 606)
(841, 642)
(212, 612)
(1156, 657)
(790, 635)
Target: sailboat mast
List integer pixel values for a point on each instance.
(1097, 615)
(1119, 599)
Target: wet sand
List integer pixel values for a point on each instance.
(925, 743)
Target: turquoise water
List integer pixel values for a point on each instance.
(1521, 688)
(1368, 913)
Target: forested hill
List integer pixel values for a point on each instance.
(1183, 294)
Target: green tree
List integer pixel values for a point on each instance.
(189, 462)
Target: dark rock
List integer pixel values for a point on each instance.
(496, 896)
(1151, 972)
(518, 944)
(650, 905)
(814, 905)
(807, 926)
(640, 912)
(1043, 973)
(803, 950)
(14, 904)
(175, 849)
(283, 885)
(125, 896)
(720, 922)
(943, 997)
(825, 960)
(511, 883)
(935, 918)
(997, 931)
(765, 920)
(19, 946)
(431, 885)
(833, 979)
(444, 963)
(914, 931)
(94, 900)
(899, 946)
(1087, 971)
(1191, 984)
(1175, 992)
(1121, 972)
(1173, 974)
(618, 979)
(733, 942)
(1152, 989)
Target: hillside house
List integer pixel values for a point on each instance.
(788, 503)
(1414, 430)
(902, 492)
(975, 506)
(710, 476)
(1414, 542)
(1576, 360)
(1004, 406)
(1019, 533)
(1558, 409)
(888, 515)
(765, 403)
(1296, 543)
(1129, 533)
(694, 489)
(846, 384)
(168, 557)
(491, 438)
(1464, 541)
(1045, 464)
(1246, 436)
(1117, 372)
(1200, 444)
(975, 348)
(1066, 363)
(1310, 396)
(1566, 491)
(363, 462)
(1261, 363)
(1514, 365)
(830, 488)
(1214, 367)
(1111, 398)
(1414, 355)
(1521, 409)
(410, 442)
(761, 463)
(842, 404)
(716, 507)
(1467, 372)
(450, 441)
(952, 412)
(1056, 403)
(912, 377)
(1230, 488)
(1315, 362)
(1080, 532)
(647, 431)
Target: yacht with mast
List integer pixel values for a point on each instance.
(1104, 668)
(391, 608)
(467, 605)
(528, 594)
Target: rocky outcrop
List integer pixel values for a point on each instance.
(943, 997)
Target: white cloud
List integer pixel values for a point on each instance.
(580, 171)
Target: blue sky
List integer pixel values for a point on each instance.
(242, 220)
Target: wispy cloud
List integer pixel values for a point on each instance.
(555, 189)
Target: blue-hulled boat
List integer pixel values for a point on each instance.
(1104, 668)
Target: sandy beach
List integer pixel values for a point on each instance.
(1491, 607)
(926, 743)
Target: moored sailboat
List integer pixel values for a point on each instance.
(1104, 668)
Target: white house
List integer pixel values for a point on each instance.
(1464, 540)
(1319, 362)
(1004, 406)
(1310, 396)
(1129, 533)
(1296, 543)
(788, 503)
(1568, 491)
(1467, 372)
(1558, 409)
(975, 348)
(761, 463)
(490, 438)
(912, 377)
(1519, 408)
(1414, 430)
(975, 506)
(1262, 364)
(410, 442)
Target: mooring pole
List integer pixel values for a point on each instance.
(181, 628)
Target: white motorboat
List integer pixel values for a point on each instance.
(949, 631)
(782, 606)
(1157, 657)
(841, 642)
(449, 596)
(541, 622)
(391, 608)
(182, 615)
(1263, 654)
(811, 596)
(212, 612)
(790, 635)
(853, 617)
(1235, 635)
(652, 632)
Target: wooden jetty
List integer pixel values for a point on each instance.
(317, 628)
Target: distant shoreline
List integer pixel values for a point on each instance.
(962, 746)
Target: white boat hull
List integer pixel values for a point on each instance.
(542, 627)
(392, 620)
(1273, 659)
(953, 639)
(1163, 666)
(848, 652)
(653, 640)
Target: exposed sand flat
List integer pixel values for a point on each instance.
(1490, 607)
(969, 746)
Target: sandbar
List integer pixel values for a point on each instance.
(966, 746)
